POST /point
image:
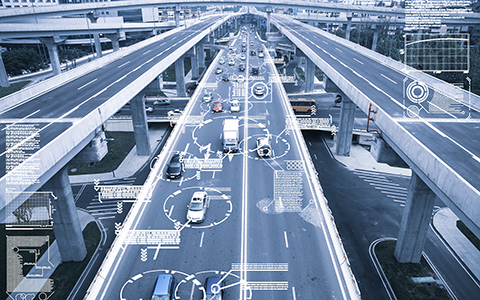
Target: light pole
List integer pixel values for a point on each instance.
(110, 153)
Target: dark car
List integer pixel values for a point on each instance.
(254, 71)
(241, 67)
(213, 288)
(164, 288)
(217, 106)
(175, 167)
(252, 53)
(226, 77)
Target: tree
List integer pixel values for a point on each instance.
(22, 60)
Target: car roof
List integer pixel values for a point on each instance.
(211, 281)
(162, 284)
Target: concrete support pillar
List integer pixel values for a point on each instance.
(416, 217)
(140, 126)
(3, 73)
(52, 53)
(269, 12)
(98, 45)
(66, 225)
(115, 38)
(194, 63)
(201, 53)
(376, 29)
(160, 81)
(345, 130)
(349, 26)
(309, 75)
(236, 23)
(180, 77)
(177, 15)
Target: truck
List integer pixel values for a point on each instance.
(230, 135)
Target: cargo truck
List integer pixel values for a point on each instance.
(230, 135)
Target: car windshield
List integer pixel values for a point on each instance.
(196, 206)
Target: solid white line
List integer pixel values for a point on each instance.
(123, 64)
(170, 212)
(357, 61)
(388, 78)
(286, 239)
(293, 292)
(87, 84)
(156, 251)
(201, 239)
(315, 155)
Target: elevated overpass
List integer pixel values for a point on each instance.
(430, 124)
(66, 111)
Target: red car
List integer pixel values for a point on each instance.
(217, 106)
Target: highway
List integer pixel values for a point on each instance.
(264, 233)
(427, 125)
(103, 91)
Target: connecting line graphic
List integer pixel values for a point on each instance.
(271, 165)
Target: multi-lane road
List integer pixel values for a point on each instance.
(429, 126)
(264, 232)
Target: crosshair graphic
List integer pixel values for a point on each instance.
(417, 92)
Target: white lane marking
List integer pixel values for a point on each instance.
(337, 49)
(121, 78)
(156, 251)
(324, 42)
(388, 78)
(201, 239)
(286, 239)
(476, 158)
(293, 292)
(6, 127)
(357, 61)
(315, 156)
(146, 52)
(123, 64)
(170, 211)
(87, 84)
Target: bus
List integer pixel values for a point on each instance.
(304, 105)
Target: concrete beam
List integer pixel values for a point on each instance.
(115, 39)
(3, 73)
(140, 126)
(66, 225)
(98, 45)
(345, 130)
(201, 54)
(52, 53)
(180, 77)
(309, 75)
(349, 26)
(376, 29)
(415, 220)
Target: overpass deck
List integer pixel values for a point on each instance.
(68, 113)
(430, 124)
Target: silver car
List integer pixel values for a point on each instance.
(198, 207)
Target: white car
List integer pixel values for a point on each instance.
(234, 106)
(175, 113)
(259, 90)
(207, 97)
(261, 55)
(264, 149)
(198, 207)
(240, 79)
(243, 57)
(221, 61)
(149, 109)
(231, 62)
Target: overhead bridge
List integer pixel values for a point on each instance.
(431, 124)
